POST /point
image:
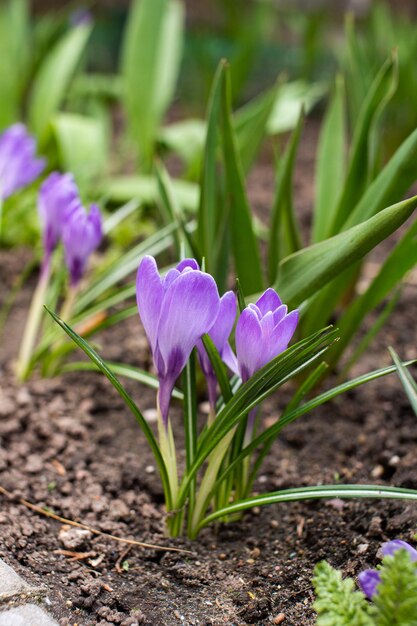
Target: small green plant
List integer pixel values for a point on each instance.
(182, 315)
(392, 588)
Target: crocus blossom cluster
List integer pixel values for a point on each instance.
(178, 309)
(370, 578)
(64, 218)
(18, 163)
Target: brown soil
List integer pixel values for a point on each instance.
(70, 444)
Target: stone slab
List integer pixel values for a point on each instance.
(11, 584)
(26, 615)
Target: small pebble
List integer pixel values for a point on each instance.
(278, 619)
(377, 471)
(151, 415)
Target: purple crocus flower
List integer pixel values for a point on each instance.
(370, 578)
(219, 333)
(18, 163)
(81, 235)
(176, 311)
(263, 331)
(58, 196)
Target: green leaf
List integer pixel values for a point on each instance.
(120, 369)
(395, 604)
(150, 63)
(186, 138)
(337, 602)
(82, 145)
(401, 260)
(250, 125)
(330, 169)
(391, 183)
(53, 78)
(284, 237)
(377, 492)
(407, 381)
(15, 48)
(358, 168)
(101, 365)
(244, 243)
(145, 188)
(218, 367)
(270, 434)
(305, 272)
(284, 367)
(208, 211)
(292, 98)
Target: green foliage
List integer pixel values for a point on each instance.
(53, 78)
(394, 604)
(407, 381)
(149, 66)
(337, 603)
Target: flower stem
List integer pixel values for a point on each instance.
(167, 447)
(32, 323)
(204, 491)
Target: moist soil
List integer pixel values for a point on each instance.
(70, 446)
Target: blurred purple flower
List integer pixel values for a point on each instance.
(175, 311)
(368, 581)
(263, 331)
(18, 163)
(81, 235)
(219, 333)
(80, 16)
(370, 578)
(58, 195)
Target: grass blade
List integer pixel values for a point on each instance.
(244, 243)
(407, 381)
(101, 365)
(313, 493)
(304, 273)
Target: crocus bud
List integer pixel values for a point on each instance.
(58, 196)
(18, 163)
(219, 334)
(263, 331)
(176, 311)
(81, 235)
(368, 581)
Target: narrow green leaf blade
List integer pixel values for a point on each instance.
(378, 492)
(330, 170)
(101, 365)
(407, 381)
(302, 274)
(284, 237)
(244, 243)
(53, 78)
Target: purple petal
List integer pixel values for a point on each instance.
(219, 333)
(189, 306)
(58, 195)
(82, 234)
(222, 327)
(229, 357)
(389, 548)
(368, 582)
(248, 343)
(284, 331)
(169, 278)
(166, 385)
(18, 163)
(269, 301)
(280, 313)
(192, 263)
(149, 295)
